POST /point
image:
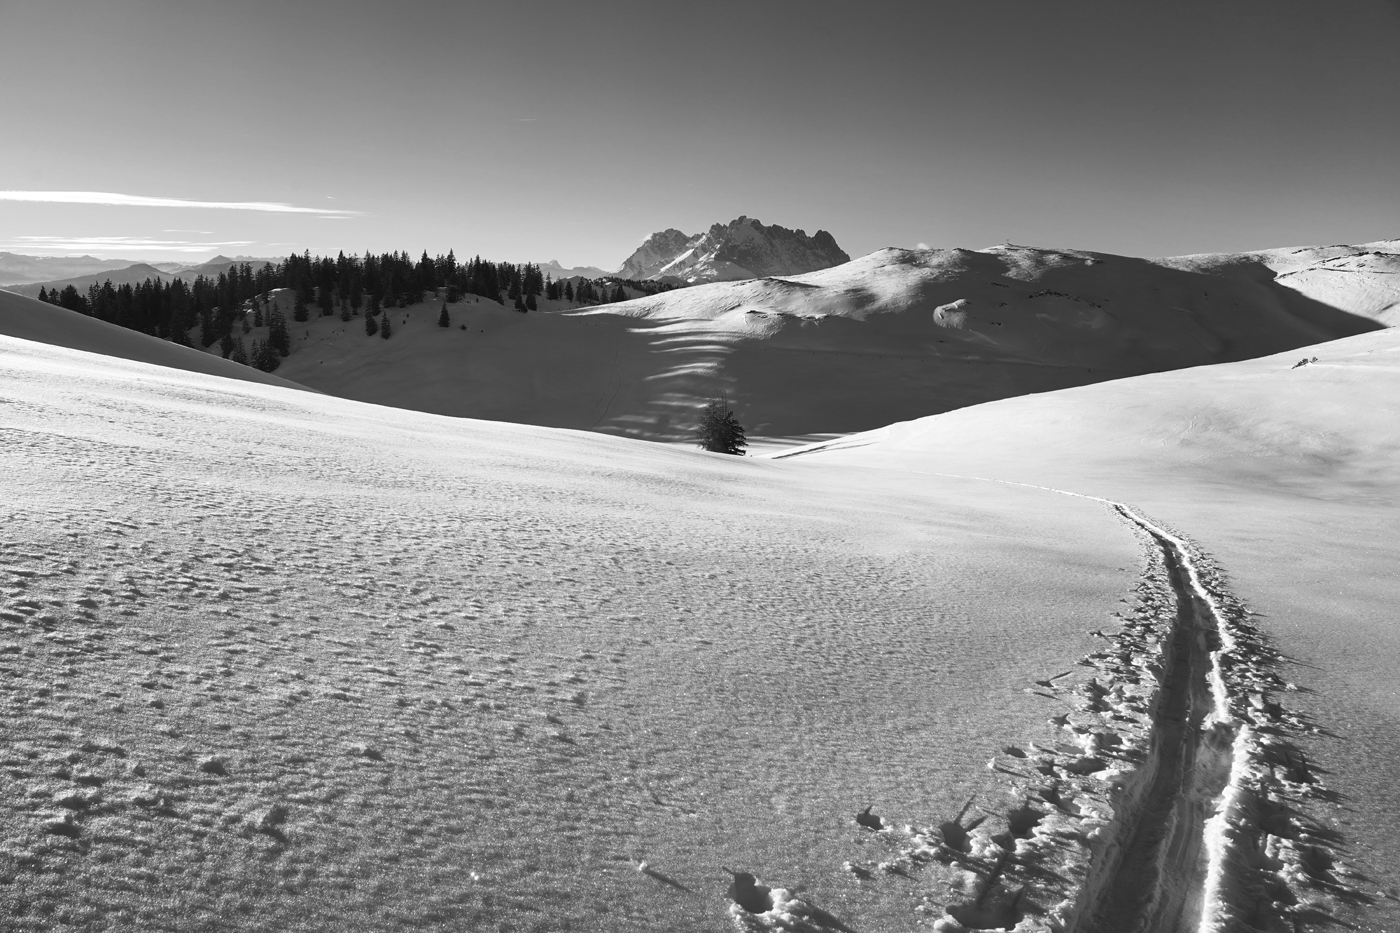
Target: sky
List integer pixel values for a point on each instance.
(571, 131)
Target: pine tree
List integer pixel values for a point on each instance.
(240, 353)
(569, 291)
(299, 312)
(443, 319)
(257, 313)
(265, 357)
(225, 345)
(719, 431)
(530, 304)
(277, 336)
(371, 327)
(384, 329)
(519, 304)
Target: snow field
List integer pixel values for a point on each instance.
(283, 660)
(1286, 475)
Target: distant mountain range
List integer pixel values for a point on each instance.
(741, 249)
(125, 272)
(555, 271)
(17, 269)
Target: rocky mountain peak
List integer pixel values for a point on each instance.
(744, 248)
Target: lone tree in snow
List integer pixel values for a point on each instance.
(443, 319)
(371, 326)
(719, 430)
(384, 329)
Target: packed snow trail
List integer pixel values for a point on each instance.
(1208, 832)
(1155, 879)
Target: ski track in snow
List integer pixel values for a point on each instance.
(1178, 802)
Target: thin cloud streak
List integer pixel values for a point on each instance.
(114, 199)
(114, 244)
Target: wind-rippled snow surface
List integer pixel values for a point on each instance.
(270, 660)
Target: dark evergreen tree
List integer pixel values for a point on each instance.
(520, 305)
(277, 336)
(264, 357)
(568, 291)
(444, 320)
(240, 353)
(385, 329)
(299, 311)
(719, 430)
(371, 326)
(530, 304)
(71, 299)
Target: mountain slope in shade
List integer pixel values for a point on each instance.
(27, 319)
(1364, 279)
(894, 335)
(904, 332)
(741, 249)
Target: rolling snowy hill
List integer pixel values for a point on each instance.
(894, 335)
(1286, 471)
(293, 661)
(27, 319)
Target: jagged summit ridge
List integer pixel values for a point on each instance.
(741, 249)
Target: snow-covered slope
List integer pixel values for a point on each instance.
(276, 660)
(741, 249)
(28, 319)
(290, 661)
(1288, 476)
(894, 335)
(1364, 279)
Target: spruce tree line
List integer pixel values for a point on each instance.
(216, 305)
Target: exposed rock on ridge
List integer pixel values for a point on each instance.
(741, 249)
